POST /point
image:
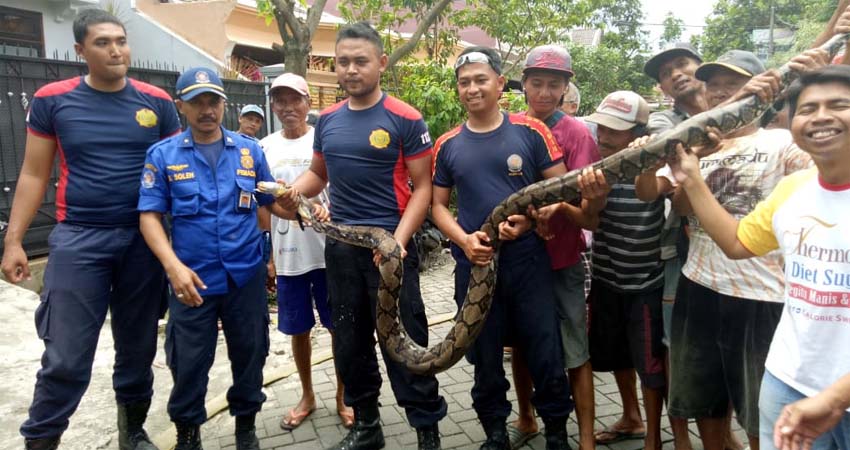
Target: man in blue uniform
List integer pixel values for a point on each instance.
(205, 179)
(489, 157)
(100, 125)
(367, 147)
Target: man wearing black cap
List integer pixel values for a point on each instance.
(206, 178)
(674, 69)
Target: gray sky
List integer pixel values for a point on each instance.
(692, 12)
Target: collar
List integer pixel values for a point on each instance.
(184, 139)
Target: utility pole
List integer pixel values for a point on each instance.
(770, 32)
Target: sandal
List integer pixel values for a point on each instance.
(518, 438)
(614, 436)
(293, 418)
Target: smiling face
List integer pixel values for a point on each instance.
(677, 77)
(359, 66)
(821, 123)
(290, 107)
(106, 52)
(722, 84)
(544, 91)
(479, 88)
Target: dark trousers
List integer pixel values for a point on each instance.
(89, 271)
(353, 294)
(190, 344)
(522, 315)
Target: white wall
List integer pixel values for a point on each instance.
(149, 43)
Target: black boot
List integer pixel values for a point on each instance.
(51, 443)
(428, 437)
(497, 434)
(556, 433)
(188, 437)
(246, 436)
(131, 420)
(366, 434)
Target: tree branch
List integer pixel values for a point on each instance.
(314, 15)
(285, 14)
(423, 25)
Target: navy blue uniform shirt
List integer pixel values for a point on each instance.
(486, 168)
(101, 139)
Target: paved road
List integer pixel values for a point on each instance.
(93, 426)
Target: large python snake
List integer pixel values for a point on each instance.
(623, 166)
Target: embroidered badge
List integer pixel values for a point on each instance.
(148, 179)
(146, 118)
(379, 138)
(514, 165)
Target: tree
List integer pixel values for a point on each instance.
(433, 17)
(673, 27)
(297, 28)
(732, 22)
(601, 70)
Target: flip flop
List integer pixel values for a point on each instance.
(518, 438)
(293, 419)
(616, 436)
(347, 418)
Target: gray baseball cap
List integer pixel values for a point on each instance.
(247, 109)
(738, 61)
(652, 66)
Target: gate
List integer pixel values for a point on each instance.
(20, 77)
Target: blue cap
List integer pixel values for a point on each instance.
(198, 80)
(252, 109)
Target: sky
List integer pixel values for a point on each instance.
(692, 12)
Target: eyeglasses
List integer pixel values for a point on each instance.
(474, 57)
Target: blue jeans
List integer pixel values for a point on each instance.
(774, 396)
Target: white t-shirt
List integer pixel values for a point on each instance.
(743, 173)
(296, 252)
(809, 221)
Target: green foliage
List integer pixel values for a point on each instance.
(602, 70)
(265, 9)
(731, 23)
(520, 25)
(673, 27)
(430, 87)
(438, 40)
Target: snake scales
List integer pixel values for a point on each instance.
(620, 167)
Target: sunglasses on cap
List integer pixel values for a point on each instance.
(474, 57)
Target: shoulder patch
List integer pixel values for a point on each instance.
(149, 89)
(58, 87)
(333, 108)
(438, 145)
(399, 107)
(540, 128)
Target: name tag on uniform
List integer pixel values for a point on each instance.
(245, 199)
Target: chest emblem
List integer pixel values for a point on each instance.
(146, 118)
(379, 138)
(246, 159)
(514, 165)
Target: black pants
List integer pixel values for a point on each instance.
(353, 294)
(522, 315)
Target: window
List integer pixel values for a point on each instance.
(21, 32)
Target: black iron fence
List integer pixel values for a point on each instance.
(20, 77)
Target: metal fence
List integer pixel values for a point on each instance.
(20, 77)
